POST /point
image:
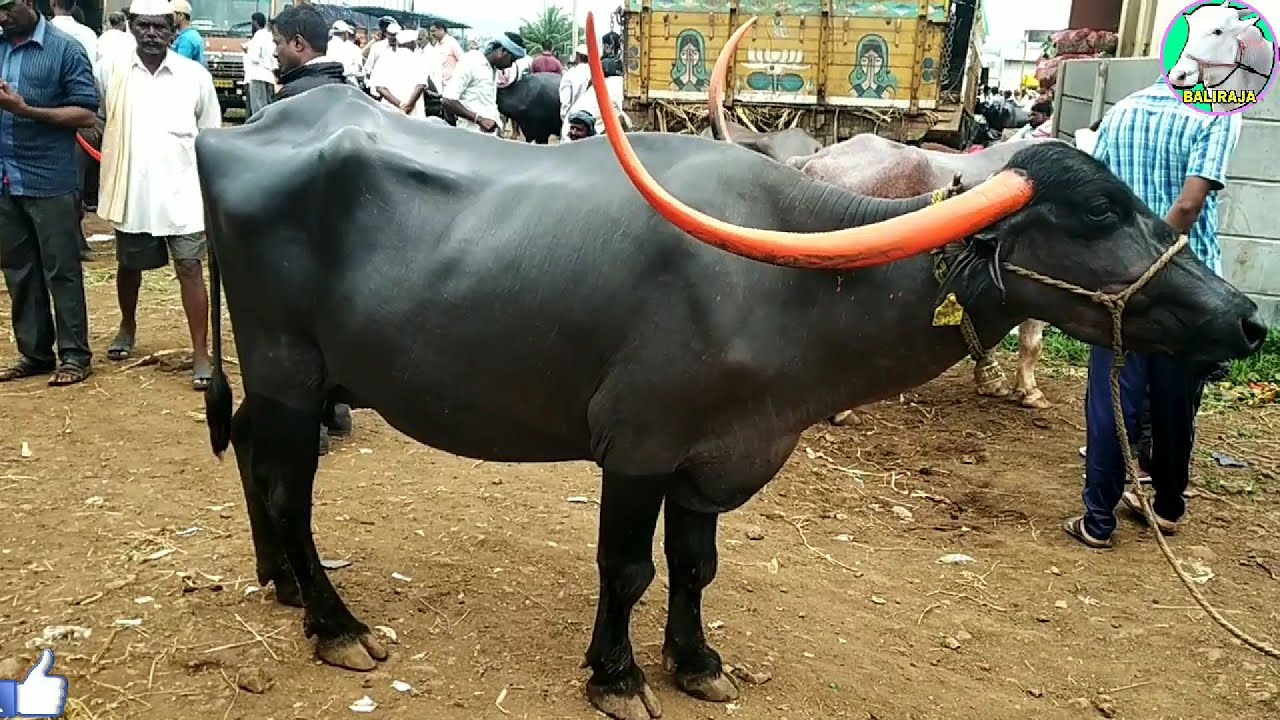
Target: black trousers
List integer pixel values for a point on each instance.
(40, 255)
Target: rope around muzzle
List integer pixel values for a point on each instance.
(1115, 305)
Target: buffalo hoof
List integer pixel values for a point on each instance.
(716, 687)
(711, 686)
(1034, 399)
(641, 705)
(287, 593)
(842, 417)
(353, 652)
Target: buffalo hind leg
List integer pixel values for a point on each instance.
(629, 509)
(273, 567)
(284, 467)
(690, 540)
(1030, 346)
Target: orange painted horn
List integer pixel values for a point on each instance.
(719, 75)
(858, 247)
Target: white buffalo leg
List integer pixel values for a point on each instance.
(1030, 345)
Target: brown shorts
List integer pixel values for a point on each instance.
(141, 251)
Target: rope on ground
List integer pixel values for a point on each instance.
(1115, 304)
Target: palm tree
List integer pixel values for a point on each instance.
(552, 24)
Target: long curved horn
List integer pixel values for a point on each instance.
(719, 75)
(864, 246)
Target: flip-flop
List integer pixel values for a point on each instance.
(121, 347)
(201, 378)
(1075, 528)
(70, 374)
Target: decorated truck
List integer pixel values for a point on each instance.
(908, 70)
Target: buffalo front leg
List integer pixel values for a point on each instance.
(628, 517)
(988, 377)
(1030, 346)
(284, 468)
(273, 567)
(691, 560)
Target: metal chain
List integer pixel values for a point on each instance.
(944, 59)
(1115, 304)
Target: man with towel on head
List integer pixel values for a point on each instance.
(156, 102)
(472, 93)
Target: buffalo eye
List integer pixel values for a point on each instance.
(1099, 213)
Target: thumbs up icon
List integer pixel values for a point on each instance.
(40, 695)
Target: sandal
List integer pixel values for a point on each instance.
(1075, 528)
(23, 369)
(200, 380)
(121, 347)
(70, 374)
(1134, 505)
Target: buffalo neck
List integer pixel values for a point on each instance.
(873, 333)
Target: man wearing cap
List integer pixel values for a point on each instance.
(586, 102)
(403, 74)
(575, 81)
(472, 93)
(302, 46)
(156, 103)
(342, 50)
(188, 43)
(260, 64)
(46, 92)
(581, 124)
(520, 68)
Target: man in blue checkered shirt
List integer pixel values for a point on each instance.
(1175, 159)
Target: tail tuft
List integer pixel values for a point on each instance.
(217, 412)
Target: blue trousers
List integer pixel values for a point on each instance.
(1173, 391)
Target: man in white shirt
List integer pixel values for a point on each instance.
(575, 81)
(387, 30)
(155, 105)
(402, 74)
(116, 40)
(472, 93)
(343, 50)
(260, 64)
(63, 21)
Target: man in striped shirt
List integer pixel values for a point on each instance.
(46, 92)
(1175, 159)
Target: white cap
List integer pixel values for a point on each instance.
(393, 29)
(153, 7)
(406, 36)
(341, 26)
(582, 50)
(177, 6)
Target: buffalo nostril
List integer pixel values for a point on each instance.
(1255, 333)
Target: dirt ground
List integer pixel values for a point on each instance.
(830, 593)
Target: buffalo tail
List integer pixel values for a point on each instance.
(217, 397)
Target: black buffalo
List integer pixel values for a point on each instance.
(376, 259)
(533, 104)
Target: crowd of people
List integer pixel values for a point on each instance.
(142, 92)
